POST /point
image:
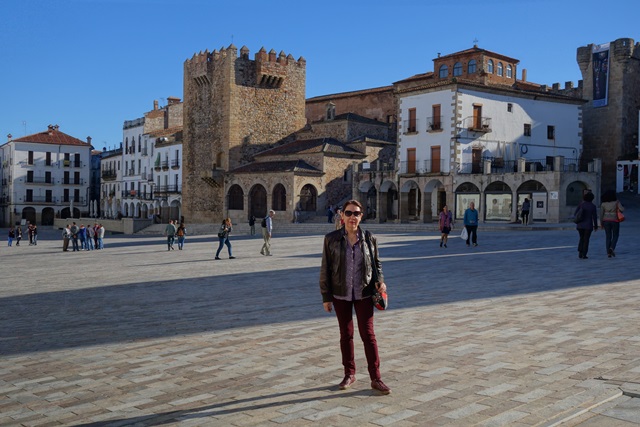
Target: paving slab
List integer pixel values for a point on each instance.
(515, 332)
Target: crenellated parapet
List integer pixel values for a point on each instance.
(272, 69)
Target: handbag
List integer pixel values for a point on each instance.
(619, 214)
(379, 298)
(464, 234)
(579, 216)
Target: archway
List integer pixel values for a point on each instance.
(235, 198)
(29, 214)
(388, 201)
(536, 192)
(144, 211)
(435, 198)
(48, 215)
(279, 198)
(369, 199)
(574, 192)
(498, 199)
(258, 201)
(466, 193)
(308, 198)
(175, 210)
(410, 201)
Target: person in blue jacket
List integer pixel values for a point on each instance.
(471, 223)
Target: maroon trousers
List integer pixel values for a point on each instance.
(364, 314)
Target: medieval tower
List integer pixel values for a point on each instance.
(611, 75)
(234, 107)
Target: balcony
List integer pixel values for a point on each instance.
(477, 124)
(424, 167)
(131, 172)
(175, 164)
(169, 189)
(39, 180)
(435, 124)
(109, 175)
(40, 200)
(157, 167)
(410, 127)
(71, 164)
(145, 196)
(144, 152)
(150, 177)
(76, 201)
(165, 165)
(73, 182)
(4, 200)
(375, 167)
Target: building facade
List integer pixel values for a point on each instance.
(44, 176)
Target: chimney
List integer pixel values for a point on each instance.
(155, 104)
(524, 74)
(9, 137)
(88, 140)
(50, 129)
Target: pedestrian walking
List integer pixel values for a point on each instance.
(267, 228)
(587, 216)
(445, 222)
(252, 225)
(181, 234)
(471, 224)
(11, 235)
(526, 206)
(223, 237)
(610, 210)
(18, 235)
(170, 232)
(348, 273)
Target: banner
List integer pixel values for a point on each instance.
(600, 74)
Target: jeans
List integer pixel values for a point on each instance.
(611, 230)
(100, 243)
(90, 243)
(364, 314)
(180, 242)
(170, 240)
(74, 243)
(224, 241)
(472, 231)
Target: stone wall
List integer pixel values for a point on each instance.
(377, 103)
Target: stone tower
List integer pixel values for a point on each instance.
(234, 107)
(611, 131)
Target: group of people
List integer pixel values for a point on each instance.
(15, 233)
(470, 220)
(175, 232)
(586, 215)
(83, 238)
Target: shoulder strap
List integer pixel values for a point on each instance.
(374, 267)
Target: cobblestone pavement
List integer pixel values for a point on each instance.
(517, 331)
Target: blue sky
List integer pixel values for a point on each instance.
(88, 65)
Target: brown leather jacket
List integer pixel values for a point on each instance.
(333, 270)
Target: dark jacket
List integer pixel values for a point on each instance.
(333, 268)
(589, 217)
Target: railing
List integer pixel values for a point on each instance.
(165, 164)
(143, 152)
(150, 177)
(410, 126)
(175, 164)
(39, 180)
(477, 124)
(145, 196)
(73, 181)
(132, 172)
(427, 166)
(375, 167)
(573, 165)
(5, 200)
(435, 123)
(40, 199)
(78, 201)
(71, 164)
(168, 189)
(109, 174)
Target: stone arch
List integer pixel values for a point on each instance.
(308, 198)
(435, 198)
(369, 199)
(235, 198)
(174, 208)
(165, 212)
(29, 214)
(466, 193)
(258, 201)
(573, 193)
(144, 211)
(498, 200)
(48, 215)
(279, 198)
(65, 213)
(410, 201)
(388, 201)
(531, 186)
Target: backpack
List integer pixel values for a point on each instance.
(579, 215)
(264, 222)
(180, 232)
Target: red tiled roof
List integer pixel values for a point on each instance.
(165, 132)
(52, 136)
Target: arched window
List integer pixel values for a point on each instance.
(490, 66)
(457, 69)
(509, 71)
(499, 69)
(235, 197)
(331, 111)
(279, 201)
(444, 72)
(308, 198)
(471, 68)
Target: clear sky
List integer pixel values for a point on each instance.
(89, 65)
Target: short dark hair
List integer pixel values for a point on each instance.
(588, 197)
(352, 202)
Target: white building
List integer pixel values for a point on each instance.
(44, 175)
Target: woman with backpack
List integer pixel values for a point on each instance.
(181, 232)
(223, 235)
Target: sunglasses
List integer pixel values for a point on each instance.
(354, 213)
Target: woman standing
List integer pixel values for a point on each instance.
(587, 223)
(609, 220)
(18, 235)
(12, 235)
(223, 235)
(526, 206)
(446, 224)
(181, 232)
(350, 267)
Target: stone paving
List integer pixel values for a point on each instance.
(515, 332)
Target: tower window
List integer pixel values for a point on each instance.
(471, 67)
(551, 132)
(457, 69)
(499, 69)
(509, 71)
(509, 107)
(527, 129)
(490, 66)
(444, 72)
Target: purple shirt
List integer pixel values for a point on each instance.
(353, 264)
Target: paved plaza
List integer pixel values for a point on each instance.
(515, 332)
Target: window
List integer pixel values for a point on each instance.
(331, 111)
(29, 197)
(471, 67)
(411, 126)
(509, 107)
(499, 69)
(509, 71)
(48, 159)
(444, 72)
(490, 66)
(30, 158)
(29, 176)
(527, 129)
(457, 69)
(551, 132)
(436, 121)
